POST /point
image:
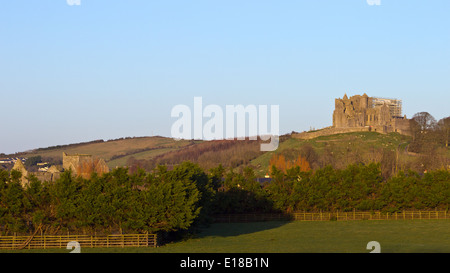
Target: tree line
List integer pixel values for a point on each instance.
(114, 202)
(187, 196)
(359, 187)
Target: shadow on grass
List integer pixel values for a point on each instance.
(236, 229)
(234, 212)
(231, 229)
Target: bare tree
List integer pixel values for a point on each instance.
(425, 121)
(423, 127)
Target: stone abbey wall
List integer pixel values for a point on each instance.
(73, 162)
(84, 165)
(81, 165)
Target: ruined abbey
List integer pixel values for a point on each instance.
(83, 165)
(80, 164)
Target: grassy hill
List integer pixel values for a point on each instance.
(337, 150)
(115, 152)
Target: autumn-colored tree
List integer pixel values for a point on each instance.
(280, 163)
(302, 163)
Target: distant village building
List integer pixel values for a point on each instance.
(43, 169)
(12, 160)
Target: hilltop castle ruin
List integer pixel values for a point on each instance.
(375, 114)
(363, 113)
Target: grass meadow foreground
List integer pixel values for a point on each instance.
(402, 236)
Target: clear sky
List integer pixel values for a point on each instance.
(111, 69)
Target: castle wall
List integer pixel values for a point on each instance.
(329, 131)
(403, 126)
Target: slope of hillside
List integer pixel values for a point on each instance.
(208, 154)
(338, 150)
(114, 152)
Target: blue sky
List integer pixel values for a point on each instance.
(110, 69)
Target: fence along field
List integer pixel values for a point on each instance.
(150, 240)
(85, 241)
(329, 216)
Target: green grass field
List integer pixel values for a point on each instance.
(409, 236)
